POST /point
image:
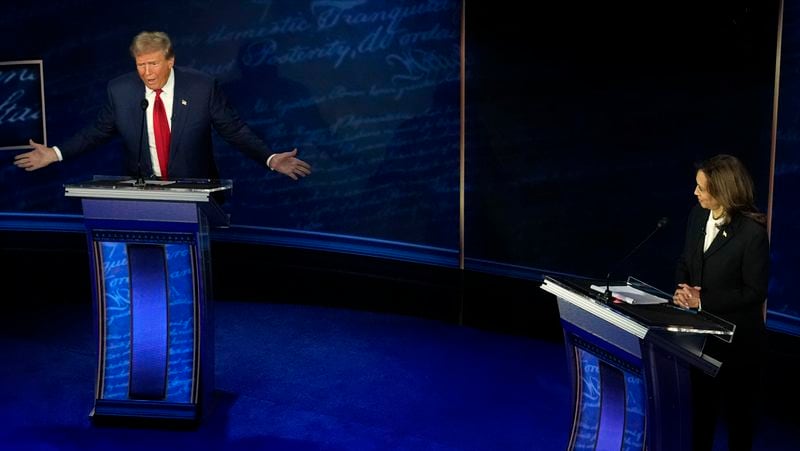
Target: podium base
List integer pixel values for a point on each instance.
(151, 410)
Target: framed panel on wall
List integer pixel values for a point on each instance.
(22, 115)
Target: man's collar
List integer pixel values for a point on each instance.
(169, 86)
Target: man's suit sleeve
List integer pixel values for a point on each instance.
(100, 132)
(233, 129)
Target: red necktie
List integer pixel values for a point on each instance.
(161, 129)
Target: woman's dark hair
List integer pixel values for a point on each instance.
(731, 185)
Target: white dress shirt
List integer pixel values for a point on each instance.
(712, 229)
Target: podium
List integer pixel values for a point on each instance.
(150, 271)
(630, 368)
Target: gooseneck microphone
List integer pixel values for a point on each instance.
(140, 178)
(607, 294)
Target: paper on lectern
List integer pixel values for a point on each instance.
(631, 295)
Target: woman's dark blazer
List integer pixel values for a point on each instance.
(733, 273)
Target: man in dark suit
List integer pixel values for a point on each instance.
(724, 270)
(179, 107)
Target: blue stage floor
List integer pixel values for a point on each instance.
(295, 377)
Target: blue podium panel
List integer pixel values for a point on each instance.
(610, 399)
(148, 288)
(629, 367)
(173, 327)
(150, 259)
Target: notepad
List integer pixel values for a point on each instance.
(631, 295)
(149, 182)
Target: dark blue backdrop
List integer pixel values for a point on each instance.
(783, 305)
(582, 124)
(21, 98)
(368, 92)
(585, 132)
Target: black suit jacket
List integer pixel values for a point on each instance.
(733, 273)
(198, 105)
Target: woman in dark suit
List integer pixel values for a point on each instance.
(724, 270)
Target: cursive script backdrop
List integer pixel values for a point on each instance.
(367, 91)
(21, 103)
(583, 121)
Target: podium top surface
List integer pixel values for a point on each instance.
(664, 317)
(182, 190)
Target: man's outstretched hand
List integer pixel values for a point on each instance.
(287, 164)
(37, 158)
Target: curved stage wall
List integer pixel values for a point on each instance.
(582, 126)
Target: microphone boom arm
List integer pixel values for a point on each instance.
(140, 179)
(607, 294)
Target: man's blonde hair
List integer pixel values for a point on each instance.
(152, 41)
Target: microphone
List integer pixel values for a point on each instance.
(659, 225)
(140, 179)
